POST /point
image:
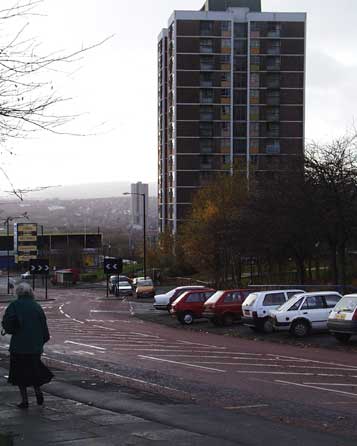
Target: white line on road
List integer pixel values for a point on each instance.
(116, 375)
(145, 335)
(76, 320)
(85, 345)
(152, 358)
(109, 311)
(317, 388)
(255, 406)
(68, 316)
(104, 328)
(202, 345)
(81, 352)
(331, 384)
(261, 372)
(319, 362)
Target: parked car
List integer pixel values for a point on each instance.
(189, 305)
(123, 288)
(305, 312)
(135, 281)
(342, 321)
(257, 306)
(113, 280)
(164, 301)
(225, 307)
(144, 288)
(26, 276)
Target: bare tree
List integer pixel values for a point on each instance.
(28, 98)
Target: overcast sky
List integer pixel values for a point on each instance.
(114, 86)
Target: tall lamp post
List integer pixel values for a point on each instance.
(144, 224)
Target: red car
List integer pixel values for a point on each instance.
(225, 307)
(189, 305)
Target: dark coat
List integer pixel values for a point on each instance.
(32, 332)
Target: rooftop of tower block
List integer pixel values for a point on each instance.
(223, 5)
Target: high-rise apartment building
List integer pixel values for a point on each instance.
(138, 191)
(231, 98)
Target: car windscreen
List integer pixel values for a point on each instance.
(122, 283)
(144, 283)
(347, 304)
(250, 300)
(286, 305)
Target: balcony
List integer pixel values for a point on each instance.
(274, 33)
(206, 66)
(206, 49)
(273, 100)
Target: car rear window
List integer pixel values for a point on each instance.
(232, 297)
(144, 283)
(193, 297)
(347, 304)
(215, 297)
(250, 299)
(331, 300)
(274, 299)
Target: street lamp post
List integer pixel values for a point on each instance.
(144, 225)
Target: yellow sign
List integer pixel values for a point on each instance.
(27, 227)
(25, 258)
(27, 238)
(27, 248)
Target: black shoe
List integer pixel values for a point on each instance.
(39, 399)
(23, 405)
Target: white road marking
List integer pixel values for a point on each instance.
(76, 320)
(332, 384)
(68, 316)
(108, 311)
(255, 406)
(81, 352)
(152, 358)
(85, 345)
(261, 372)
(145, 335)
(319, 362)
(318, 388)
(104, 328)
(202, 345)
(140, 381)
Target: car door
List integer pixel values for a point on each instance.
(331, 300)
(314, 310)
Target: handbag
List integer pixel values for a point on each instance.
(10, 324)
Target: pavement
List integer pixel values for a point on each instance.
(84, 411)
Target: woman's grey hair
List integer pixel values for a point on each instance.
(23, 289)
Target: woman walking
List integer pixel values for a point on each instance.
(25, 320)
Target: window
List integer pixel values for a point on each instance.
(206, 63)
(274, 299)
(273, 148)
(206, 146)
(291, 294)
(206, 46)
(331, 300)
(226, 43)
(240, 30)
(254, 113)
(206, 27)
(255, 63)
(254, 80)
(225, 92)
(194, 297)
(254, 129)
(206, 79)
(313, 303)
(296, 305)
(254, 96)
(225, 26)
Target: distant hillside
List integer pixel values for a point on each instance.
(85, 191)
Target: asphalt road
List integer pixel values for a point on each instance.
(310, 387)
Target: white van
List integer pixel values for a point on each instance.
(305, 312)
(342, 321)
(257, 306)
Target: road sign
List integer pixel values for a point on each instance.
(39, 266)
(113, 265)
(25, 241)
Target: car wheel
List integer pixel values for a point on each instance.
(342, 337)
(186, 318)
(300, 329)
(267, 325)
(228, 319)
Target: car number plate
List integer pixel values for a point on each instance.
(247, 312)
(341, 316)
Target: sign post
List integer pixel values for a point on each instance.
(112, 265)
(42, 267)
